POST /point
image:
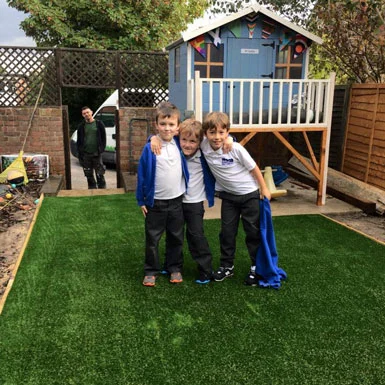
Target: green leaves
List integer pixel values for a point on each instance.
(107, 24)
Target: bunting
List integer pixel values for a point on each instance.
(268, 27)
(300, 45)
(286, 38)
(251, 28)
(235, 28)
(251, 17)
(215, 35)
(199, 45)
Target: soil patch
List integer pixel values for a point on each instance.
(370, 225)
(17, 208)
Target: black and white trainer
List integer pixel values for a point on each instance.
(222, 273)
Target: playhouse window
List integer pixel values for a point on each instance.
(210, 66)
(286, 66)
(177, 65)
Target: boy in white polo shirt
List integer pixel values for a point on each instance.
(201, 187)
(161, 184)
(240, 185)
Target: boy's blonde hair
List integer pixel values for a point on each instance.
(167, 109)
(215, 119)
(191, 127)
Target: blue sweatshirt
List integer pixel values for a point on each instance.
(145, 189)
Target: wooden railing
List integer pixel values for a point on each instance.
(265, 104)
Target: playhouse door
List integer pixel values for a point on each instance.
(249, 59)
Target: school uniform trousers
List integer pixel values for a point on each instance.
(166, 215)
(235, 208)
(196, 240)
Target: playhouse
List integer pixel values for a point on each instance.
(253, 65)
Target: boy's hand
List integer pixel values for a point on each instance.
(228, 144)
(144, 210)
(156, 145)
(265, 192)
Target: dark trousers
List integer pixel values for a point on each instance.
(234, 208)
(164, 216)
(94, 163)
(196, 240)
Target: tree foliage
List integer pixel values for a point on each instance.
(107, 24)
(354, 39)
(296, 11)
(353, 32)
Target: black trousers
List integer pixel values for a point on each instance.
(94, 163)
(164, 216)
(234, 208)
(196, 240)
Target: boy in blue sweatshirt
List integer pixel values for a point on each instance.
(201, 186)
(162, 181)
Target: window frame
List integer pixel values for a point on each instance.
(208, 63)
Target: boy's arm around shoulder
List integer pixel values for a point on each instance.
(209, 182)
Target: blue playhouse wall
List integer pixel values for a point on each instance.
(250, 48)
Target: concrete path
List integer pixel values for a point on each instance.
(300, 198)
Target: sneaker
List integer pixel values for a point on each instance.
(149, 280)
(252, 279)
(222, 273)
(176, 277)
(203, 278)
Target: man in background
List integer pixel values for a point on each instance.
(91, 143)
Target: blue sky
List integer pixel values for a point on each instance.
(10, 32)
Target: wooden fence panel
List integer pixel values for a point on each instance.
(364, 150)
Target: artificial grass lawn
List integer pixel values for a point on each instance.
(78, 314)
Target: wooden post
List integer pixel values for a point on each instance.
(324, 154)
(198, 97)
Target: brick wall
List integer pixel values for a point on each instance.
(45, 135)
(136, 124)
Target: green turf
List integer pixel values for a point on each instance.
(78, 314)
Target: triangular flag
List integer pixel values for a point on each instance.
(268, 27)
(199, 45)
(251, 29)
(300, 45)
(286, 37)
(251, 17)
(235, 28)
(215, 36)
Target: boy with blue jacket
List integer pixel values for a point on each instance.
(162, 181)
(201, 187)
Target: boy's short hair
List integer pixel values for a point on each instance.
(167, 109)
(215, 119)
(191, 127)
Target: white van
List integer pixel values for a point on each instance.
(105, 113)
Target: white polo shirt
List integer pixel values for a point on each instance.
(231, 170)
(196, 188)
(169, 180)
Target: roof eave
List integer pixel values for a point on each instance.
(189, 35)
